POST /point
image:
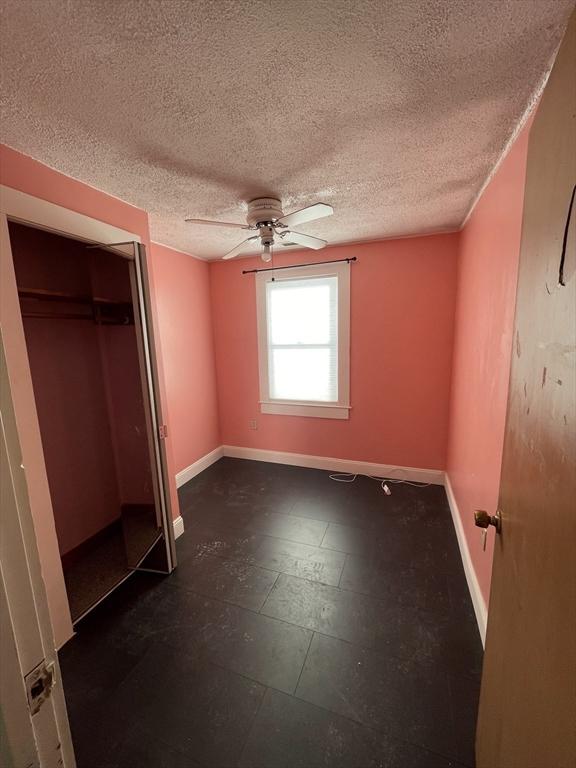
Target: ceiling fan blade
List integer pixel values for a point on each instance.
(311, 212)
(217, 223)
(235, 251)
(306, 240)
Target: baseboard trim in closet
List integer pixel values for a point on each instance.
(198, 466)
(94, 568)
(178, 524)
(70, 558)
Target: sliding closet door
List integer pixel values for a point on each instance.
(163, 556)
(119, 273)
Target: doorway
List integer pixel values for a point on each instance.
(82, 317)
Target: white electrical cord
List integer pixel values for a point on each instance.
(349, 477)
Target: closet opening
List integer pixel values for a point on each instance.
(85, 332)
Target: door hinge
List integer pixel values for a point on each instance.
(163, 431)
(39, 684)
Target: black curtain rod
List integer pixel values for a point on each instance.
(295, 266)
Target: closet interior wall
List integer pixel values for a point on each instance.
(78, 322)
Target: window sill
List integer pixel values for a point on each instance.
(317, 410)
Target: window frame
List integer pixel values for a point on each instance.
(318, 409)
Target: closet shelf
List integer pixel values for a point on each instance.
(100, 310)
(40, 294)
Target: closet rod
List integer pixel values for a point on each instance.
(58, 316)
(295, 266)
(124, 321)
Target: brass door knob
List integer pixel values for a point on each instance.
(483, 520)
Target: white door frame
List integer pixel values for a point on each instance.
(20, 207)
(41, 738)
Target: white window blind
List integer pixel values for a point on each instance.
(302, 337)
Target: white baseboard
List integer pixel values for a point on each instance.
(178, 524)
(434, 476)
(198, 466)
(478, 601)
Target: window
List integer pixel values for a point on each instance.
(303, 340)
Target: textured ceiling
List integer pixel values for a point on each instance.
(393, 111)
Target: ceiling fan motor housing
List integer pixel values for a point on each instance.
(266, 217)
(263, 210)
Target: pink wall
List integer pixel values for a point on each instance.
(402, 311)
(484, 324)
(76, 435)
(69, 389)
(28, 175)
(185, 324)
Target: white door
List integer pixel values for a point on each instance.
(34, 729)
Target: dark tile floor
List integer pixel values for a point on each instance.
(309, 623)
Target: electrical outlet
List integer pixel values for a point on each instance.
(252, 423)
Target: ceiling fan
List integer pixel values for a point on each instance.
(265, 216)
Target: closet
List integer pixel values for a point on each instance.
(82, 313)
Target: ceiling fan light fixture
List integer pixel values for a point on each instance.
(265, 216)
